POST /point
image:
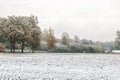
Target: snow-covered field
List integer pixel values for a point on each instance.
(62, 66)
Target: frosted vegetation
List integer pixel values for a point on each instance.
(22, 33)
(20, 30)
(59, 66)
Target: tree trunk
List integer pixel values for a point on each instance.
(14, 40)
(32, 49)
(22, 48)
(11, 48)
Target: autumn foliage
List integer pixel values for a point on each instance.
(51, 39)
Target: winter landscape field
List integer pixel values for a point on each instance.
(62, 66)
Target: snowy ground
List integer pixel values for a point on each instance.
(53, 66)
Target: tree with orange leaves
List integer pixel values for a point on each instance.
(51, 40)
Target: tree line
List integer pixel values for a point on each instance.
(23, 32)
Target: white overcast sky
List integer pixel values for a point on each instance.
(90, 19)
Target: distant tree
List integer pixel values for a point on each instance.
(65, 39)
(117, 40)
(20, 30)
(25, 28)
(35, 39)
(14, 25)
(84, 42)
(77, 40)
(4, 31)
(99, 47)
(51, 40)
(9, 29)
(109, 46)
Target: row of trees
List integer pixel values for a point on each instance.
(66, 44)
(24, 32)
(21, 30)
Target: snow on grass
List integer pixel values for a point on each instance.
(62, 66)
